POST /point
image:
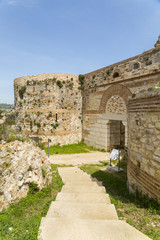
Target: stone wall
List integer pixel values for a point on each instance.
(144, 143)
(49, 106)
(21, 164)
(106, 92)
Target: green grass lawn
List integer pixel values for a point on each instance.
(142, 213)
(21, 220)
(70, 149)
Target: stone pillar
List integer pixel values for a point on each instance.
(126, 133)
(108, 135)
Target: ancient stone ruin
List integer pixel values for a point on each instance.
(21, 164)
(103, 109)
(49, 106)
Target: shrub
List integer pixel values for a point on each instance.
(81, 79)
(38, 125)
(33, 188)
(54, 125)
(108, 72)
(49, 115)
(59, 84)
(70, 86)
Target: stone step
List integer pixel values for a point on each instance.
(81, 174)
(72, 210)
(83, 189)
(64, 229)
(75, 179)
(71, 170)
(81, 183)
(74, 174)
(83, 197)
(79, 177)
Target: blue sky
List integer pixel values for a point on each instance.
(69, 36)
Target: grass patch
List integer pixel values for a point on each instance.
(21, 220)
(141, 212)
(71, 149)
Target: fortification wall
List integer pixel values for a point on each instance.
(144, 143)
(106, 92)
(49, 106)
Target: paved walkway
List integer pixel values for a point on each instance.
(78, 159)
(82, 211)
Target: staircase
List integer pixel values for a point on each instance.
(83, 211)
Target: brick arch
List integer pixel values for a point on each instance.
(116, 89)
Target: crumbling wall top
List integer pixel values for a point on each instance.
(41, 77)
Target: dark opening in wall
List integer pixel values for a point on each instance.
(22, 91)
(115, 75)
(136, 65)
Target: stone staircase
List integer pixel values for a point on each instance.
(83, 211)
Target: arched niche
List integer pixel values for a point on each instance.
(116, 89)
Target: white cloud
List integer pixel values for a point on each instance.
(15, 3)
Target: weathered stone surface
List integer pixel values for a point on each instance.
(157, 125)
(49, 106)
(142, 171)
(157, 152)
(21, 164)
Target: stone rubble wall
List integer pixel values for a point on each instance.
(106, 92)
(144, 143)
(49, 106)
(138, 66)
(21, 164)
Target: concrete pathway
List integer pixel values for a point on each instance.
(83, 211)
(78, 159)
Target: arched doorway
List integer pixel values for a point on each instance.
(114, 106)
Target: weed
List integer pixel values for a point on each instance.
(33, 188)
(44, 172)
(38, 124)
(54, 125)
(81, 79)
(49, 115)
(108, 72)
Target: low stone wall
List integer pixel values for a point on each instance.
(144, 143)
(21, 164)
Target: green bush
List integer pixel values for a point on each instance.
(38, 125)
(33, 188)
(81, 79)
(59, 84)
